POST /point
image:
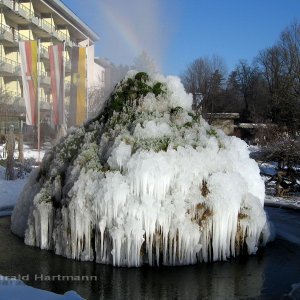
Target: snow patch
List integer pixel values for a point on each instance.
(11, 288)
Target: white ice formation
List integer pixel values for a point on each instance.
(146, 182)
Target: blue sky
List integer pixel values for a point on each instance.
(175, 32)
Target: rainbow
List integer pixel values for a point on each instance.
(123, 28)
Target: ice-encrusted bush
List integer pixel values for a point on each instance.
(146, 181)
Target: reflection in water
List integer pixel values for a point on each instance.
(267, 275)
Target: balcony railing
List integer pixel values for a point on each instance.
(9, 66)
(20, 37)
(29, 14)
(11, 34)
(67, 88)
(63, 37)
(44, 52)
(71, 43)
(44, 103)
(10, 94)
(10, 97)
(8, 3)
(25, 12)
(67, 85)
(68, 65)
(5, 28)
(44, 78)
(6, 33)
(47, 26)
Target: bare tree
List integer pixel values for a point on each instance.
(248, 85)
(279, 147)
(289, 45)
(205, 76)
(280, 66)
(247, 78)
(266, 91)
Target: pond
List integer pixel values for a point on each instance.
(268, 275)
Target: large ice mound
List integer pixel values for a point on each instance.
(146, 182)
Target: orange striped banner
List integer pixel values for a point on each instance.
(29, 59)
(78, 97)
(57, 82)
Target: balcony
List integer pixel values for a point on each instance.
(61, 36)
(44, 79)
(10, 97)
(64, 37)
(21, 14)
(44, 52)
(7, 3)
(45, 25)
(20, 37)
(67, 88)
(25, 12)
(11, 36)
(35, 20)
(18, 70)
(16, 99)
(9, 67)
(68, 66)
(67, 85)
(55, 34)
(70, 43)
(6, 34)
(44, 104)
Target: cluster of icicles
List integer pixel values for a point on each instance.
(145, 218)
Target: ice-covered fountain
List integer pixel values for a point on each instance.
(148, 181)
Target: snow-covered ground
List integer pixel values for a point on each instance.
(287, 202)
(28, 152)
(10, 190)
(11, 288)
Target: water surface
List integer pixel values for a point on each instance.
(268, 275)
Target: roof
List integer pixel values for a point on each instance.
(72, 18)
(103, 62)
(251, 125)
(226, 116)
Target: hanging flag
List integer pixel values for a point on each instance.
(57, 82)
(29, 59)
(78, 95)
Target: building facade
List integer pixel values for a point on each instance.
(50, 22)
(112, 75)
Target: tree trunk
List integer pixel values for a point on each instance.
(10, 148)
(35, 137)
(20, 148)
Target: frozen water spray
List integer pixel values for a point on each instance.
(146, 182)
